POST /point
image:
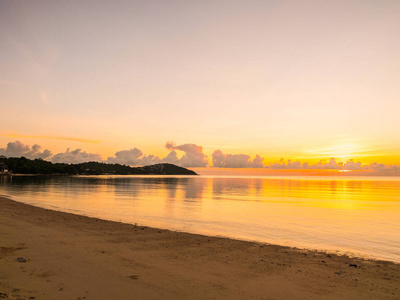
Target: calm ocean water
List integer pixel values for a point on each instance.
(353, 215)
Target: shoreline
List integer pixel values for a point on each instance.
(326, 251)
(73, 256)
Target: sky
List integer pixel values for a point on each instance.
(201, 83)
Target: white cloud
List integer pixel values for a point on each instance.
(333, 165)
(133, 157)
(171, 158)
(75, 157)
(221, 160)
(193, 157)
(381, 167)
(149, 160)
(126, 157)
(258, 162)
(352, 165)
(18, 149)
(8, 82)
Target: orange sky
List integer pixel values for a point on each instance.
(299, 80)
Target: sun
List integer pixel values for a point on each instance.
(341, 151)
(346, 151)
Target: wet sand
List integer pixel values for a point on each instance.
(77, 257)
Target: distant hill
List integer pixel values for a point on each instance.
(23, 165)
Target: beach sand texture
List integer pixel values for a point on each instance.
(77, 257)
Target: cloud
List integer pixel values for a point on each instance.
(258, 162)
(8, 82)
(381, 167)
(47, 137)
(221, 160)
(171, 158)
(352, 165)
(193, 157)
(126, 157)
(75, 157)
(323, 164)
(333, 165)
(133, 157)
(17, 149)
(150, 160)
(290, 165)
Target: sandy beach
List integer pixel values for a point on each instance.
(77, 257)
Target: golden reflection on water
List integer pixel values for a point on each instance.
(345, 194)
(360, 215)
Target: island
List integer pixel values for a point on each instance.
(23, 165)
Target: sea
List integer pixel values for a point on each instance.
(353, 215)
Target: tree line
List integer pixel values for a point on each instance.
(23, 165)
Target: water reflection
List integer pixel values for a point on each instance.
(358, 215)
(361, 194)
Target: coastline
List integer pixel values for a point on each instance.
(78, 257)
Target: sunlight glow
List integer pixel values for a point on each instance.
(343, 151)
